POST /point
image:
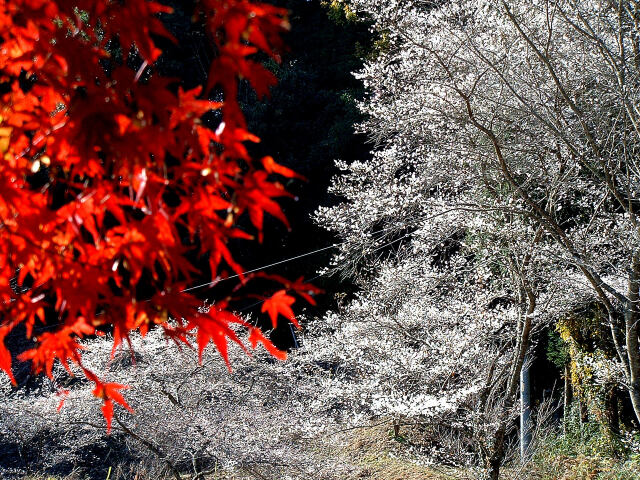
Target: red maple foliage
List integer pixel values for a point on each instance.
(133, 179)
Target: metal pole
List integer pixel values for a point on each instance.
(525, 410)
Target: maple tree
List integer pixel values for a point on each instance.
(109, 178)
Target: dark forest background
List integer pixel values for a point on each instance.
(306, 123)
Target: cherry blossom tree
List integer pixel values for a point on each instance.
(507, 137)
(192, 417)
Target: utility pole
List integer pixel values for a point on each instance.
(525, 409)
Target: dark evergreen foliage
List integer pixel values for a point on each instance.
(307, 124)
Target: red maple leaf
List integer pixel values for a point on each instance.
(280, 304)
(5, 355)
(256, 336)
(109, 393)
(271, 166)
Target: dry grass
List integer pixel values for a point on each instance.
(584, 468)
(377, 455)
(367, 453)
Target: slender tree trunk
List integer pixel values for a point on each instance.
(634, 394)
(632, 317)
(495, 460)
(497, 452)
(611, 411)
(584, 411)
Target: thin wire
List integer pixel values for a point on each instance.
(313, 252)
(293, 333)
(49, 327)
(327, 272)
(306, 254)
(280, 262)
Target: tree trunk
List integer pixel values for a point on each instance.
(496, 456)
(584, 411)
(632, 317)
(611, 411)
(634, 394)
